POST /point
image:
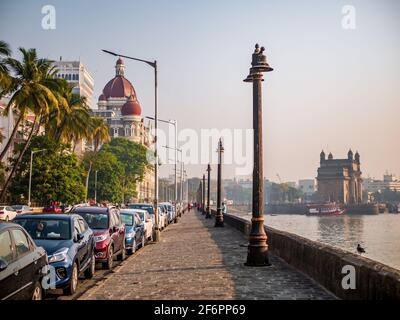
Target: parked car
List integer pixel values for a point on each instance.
(170, 211)
(21, 209)
(7, 213)
(52, 209)
(163, 217)
(69, 243)
(146, 220)
(135, 230)
(21, 264)
(109, 233)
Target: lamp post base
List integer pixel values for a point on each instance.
(219, 224)
(219, 219)
(257, 256)
(156, 237)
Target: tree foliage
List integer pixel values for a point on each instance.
(56, 174)
(120, 165)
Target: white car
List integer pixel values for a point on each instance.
(147, 221)
(163, 217)
(7, 213)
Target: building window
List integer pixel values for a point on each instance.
(115, 132)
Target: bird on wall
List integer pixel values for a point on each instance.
(360, 249)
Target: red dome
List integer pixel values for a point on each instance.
(102, 97)
(131, 108)
(119, 87)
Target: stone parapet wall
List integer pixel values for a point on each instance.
(325, 263)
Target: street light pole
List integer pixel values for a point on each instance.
(154, 65)
(175, 124)
(257, 254)
(30, 175)
(208, 210)
(203, 205)
(219, 218)
(95, 186)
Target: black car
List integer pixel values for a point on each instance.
(22, 264)
(69, 243)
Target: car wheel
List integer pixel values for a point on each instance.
(89, 272)
(37, 292)
(73, 284)
(110, 261)
(133, 249)
(122, 255)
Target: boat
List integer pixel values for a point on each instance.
(325, 209)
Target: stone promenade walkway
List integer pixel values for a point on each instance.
(194, 260)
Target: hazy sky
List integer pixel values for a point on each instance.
(332, 88)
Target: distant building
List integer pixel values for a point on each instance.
(340, 180)
(119, 106)
(389, 182)
(82, 83)
(308, 186)
(291, 184)
(7, 124)
(78, 76)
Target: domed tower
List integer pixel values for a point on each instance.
(357, 157)
(132, 120)
(350, 155)
(120, 68)
(102, 103)
(322, 156)
(330, 156)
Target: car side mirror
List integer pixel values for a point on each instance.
(3, 264)
(79, 237)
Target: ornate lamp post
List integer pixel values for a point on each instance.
(219, 217)
(257, 253)
(203, 204)
(153, 64)
(208, 209)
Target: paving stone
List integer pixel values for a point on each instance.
(194, 260)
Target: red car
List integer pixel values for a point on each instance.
(109, 232)
(52, 209)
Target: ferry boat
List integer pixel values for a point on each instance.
(321, 209)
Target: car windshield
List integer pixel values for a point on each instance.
(17, 207)
(46, 229)
(127, 219)
(95, 220)
(148, 208)
(141, 215)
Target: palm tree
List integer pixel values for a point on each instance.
(71, 121)
(34, 89)
(5, 80)
(100, 132)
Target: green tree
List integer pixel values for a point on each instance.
(34, 86)
(56, 174)
(132, 157)
(109, 174)
(5, 79)
(120, 164)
